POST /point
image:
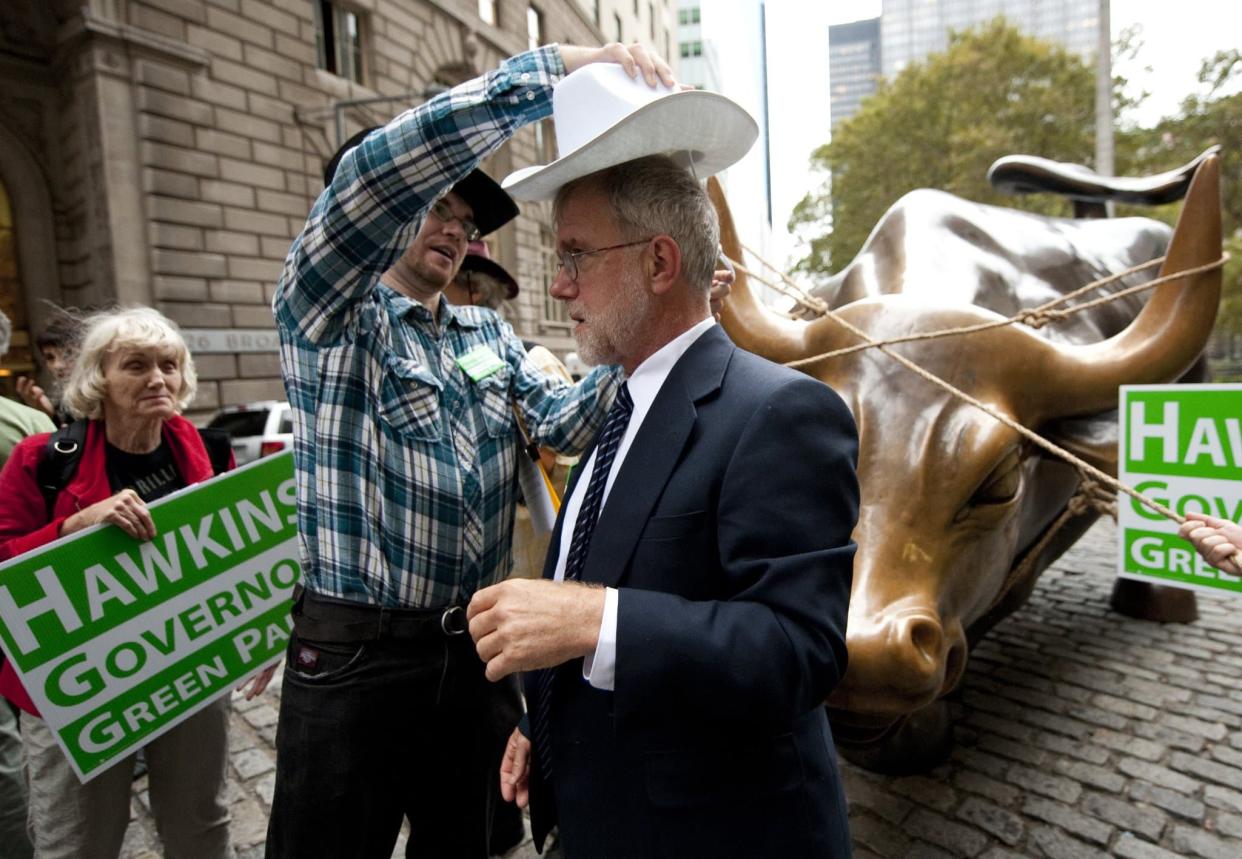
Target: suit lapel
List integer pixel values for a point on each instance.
(653, 455)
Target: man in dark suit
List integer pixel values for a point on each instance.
(684, 637)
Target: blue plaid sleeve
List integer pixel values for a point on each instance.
(384, 186)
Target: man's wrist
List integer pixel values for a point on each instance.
(591, 616)
(575, 57)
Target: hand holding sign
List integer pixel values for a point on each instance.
(1218, 540)
(125, 510)
(116, 642)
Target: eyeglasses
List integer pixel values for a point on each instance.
(444, 214)
(568, 260)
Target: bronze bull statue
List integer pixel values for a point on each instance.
(953, 501)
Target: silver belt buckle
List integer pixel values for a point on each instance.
(453, 621)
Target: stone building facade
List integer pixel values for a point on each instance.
(165, 152)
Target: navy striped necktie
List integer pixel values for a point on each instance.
(605, 452)
(584, 526)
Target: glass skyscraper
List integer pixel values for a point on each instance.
(853, 65)
(912, 29)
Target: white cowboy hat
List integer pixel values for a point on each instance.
(604, 118)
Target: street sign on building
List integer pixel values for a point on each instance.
(203, 340)
(117, 640)
(1180, 445)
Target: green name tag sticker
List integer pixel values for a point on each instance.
(479, 363)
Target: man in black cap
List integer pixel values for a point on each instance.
(405, 462)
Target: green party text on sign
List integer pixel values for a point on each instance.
(118, 640)
(1180, 445)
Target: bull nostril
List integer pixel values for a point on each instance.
(927, 637)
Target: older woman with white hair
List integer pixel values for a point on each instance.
(133, 377)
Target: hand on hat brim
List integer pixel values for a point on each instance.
(634, 58)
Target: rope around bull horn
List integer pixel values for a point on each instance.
(1087, 471)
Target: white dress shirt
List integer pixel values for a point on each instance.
(600, 668)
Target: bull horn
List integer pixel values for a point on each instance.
(750, 324)
(1170, 332)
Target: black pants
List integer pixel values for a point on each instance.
(374, 732)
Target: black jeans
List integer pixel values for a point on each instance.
(376, 731)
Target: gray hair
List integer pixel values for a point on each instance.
(106, 332)
(491, 292)
(653, 196)
(6, 333)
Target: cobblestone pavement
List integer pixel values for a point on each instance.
(1080, 733)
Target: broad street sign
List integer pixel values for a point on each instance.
(117, 640)
(1180, 445)
(230, 340)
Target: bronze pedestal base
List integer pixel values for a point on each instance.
(1160, 603)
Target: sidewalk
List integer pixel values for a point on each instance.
(1080, 734)
(252, 778)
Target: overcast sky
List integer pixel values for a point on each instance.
(1176, 36)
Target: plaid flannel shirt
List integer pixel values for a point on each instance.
(405, 466)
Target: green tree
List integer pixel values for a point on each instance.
(940, 124)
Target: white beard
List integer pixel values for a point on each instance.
(617, 325)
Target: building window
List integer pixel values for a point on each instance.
(651, 15)
(668, 45)
(534, 27)
(338, 38)
(691, 49)
(688, 16)
(488, 11)
(616, 17)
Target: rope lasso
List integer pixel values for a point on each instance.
(1033, 317)
(1091, 476)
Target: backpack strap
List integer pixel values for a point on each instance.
(64, 452)
(60, 461)
(219, 449)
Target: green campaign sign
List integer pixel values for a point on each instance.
(118, 640)
(1180, 445)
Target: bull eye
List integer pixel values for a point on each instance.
(1001, 485)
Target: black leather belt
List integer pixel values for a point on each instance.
(327, 619)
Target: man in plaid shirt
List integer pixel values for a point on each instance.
(404, 446)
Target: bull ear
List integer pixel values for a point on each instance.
(1167, 336)
(750, 324)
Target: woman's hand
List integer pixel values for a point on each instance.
(125, 510)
